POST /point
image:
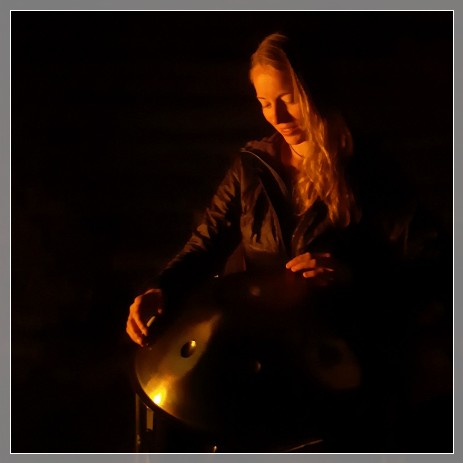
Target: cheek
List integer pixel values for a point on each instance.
(296, 113)
(267, 117)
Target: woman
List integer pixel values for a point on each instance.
(297, 202)
(281, 196)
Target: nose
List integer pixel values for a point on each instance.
(280, 114)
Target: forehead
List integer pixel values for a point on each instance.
(268, 81)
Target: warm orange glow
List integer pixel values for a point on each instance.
(159, 392)
(157, 399)
(161, 384)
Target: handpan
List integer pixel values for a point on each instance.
(248, 353)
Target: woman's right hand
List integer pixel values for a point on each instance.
(143, 312)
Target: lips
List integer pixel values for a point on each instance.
(289, 131)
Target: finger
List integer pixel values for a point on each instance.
(309, 274)
(307, 256)
(304, 265)
(152, 290)
(321, 272)
(135, 315)
(134, 332)
(298, 259)
(313, 273)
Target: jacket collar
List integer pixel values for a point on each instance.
(267, 146)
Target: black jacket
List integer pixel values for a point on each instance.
(250, 224)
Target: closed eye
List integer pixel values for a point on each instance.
(264, 102)
(288, 99)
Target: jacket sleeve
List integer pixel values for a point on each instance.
(214, 239)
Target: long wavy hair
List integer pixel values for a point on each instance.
(322, 175)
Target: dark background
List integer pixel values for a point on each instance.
(122, 125)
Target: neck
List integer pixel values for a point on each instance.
(293, 155)
(294, 152)
(300, 150)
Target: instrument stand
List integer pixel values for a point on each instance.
(155, 432)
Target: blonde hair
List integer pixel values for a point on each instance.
(322, 175)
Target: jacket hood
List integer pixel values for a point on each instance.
(267, 146)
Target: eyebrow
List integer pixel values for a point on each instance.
(279, 96)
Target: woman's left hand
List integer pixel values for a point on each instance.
(322, 266)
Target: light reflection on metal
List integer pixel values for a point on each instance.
(162, 366)
(157, 399)
(158, 390)
(188, 349)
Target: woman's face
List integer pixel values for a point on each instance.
(274, 90)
